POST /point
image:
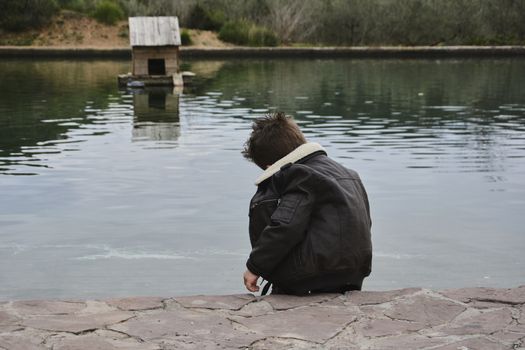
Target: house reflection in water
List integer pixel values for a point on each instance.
(156, 112)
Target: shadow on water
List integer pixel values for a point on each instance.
(51, 107)
(156, 114)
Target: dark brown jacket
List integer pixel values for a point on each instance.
(310, 225)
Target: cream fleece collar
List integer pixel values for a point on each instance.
(292, 157)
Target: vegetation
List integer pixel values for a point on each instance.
(313, 22)
(185, 38)
(200, 18)
(248, 34)
(17, 15)
(108, 12)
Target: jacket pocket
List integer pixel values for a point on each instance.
(260, 213)
(286, 209)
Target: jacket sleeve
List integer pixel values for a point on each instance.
(289, 221)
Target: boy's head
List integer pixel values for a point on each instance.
(273, 137)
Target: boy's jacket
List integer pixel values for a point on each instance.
(310, 224)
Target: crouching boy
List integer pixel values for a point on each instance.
(310, 217)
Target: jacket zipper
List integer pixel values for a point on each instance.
(265, 201)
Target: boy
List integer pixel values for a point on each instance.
(309, 219)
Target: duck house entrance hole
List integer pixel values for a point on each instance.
(156, 67)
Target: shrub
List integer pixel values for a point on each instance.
(235, 32)
(185, 38)
(260, 36)
(74, 5)
(16, 15)
(108, 12)
(246, 33)
(200, 18)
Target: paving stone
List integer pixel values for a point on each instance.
(473, 343)
(7, 319)
(136, 303)
(508, 336)
(297, 323)
(485, 304)
(405, 342)
(21, 341)
(96, 342)
(285, 302)
(46, 307)
(371, 297)
(510, 296)
(227, 302)
(186, 326)
(286, 344)
(402, 319)
(386, 327)
(484, 323)
(201, 344)
(9, 329)
(76, 323)
(254, 309)
(425, 310)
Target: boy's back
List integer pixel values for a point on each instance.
(310, 225)
(315, 234)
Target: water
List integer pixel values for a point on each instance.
(107, 193)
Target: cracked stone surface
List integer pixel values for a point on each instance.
(468, 318)
(137, 303)
(229, 302)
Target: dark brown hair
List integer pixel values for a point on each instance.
(273, 137)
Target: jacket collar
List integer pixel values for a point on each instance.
(292, 157)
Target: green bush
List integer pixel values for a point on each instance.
(200, 18)
(185, 38)
(235, 32)
(17, 15)
(75, 5)
(246, 33)
(260, 36)
(108, 12)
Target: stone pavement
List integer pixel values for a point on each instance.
(470, 318)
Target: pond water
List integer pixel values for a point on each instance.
(108, 192)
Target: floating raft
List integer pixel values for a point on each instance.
(150, 80)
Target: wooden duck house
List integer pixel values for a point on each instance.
(155, 43)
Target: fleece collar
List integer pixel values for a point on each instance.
(297, 154)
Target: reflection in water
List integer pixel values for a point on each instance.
(439, 143)
(156, 112)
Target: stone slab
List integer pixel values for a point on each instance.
(186, 325)
(313, 323)
(46, 307)
(21, 341)
(76, 323)
(484, 323)
(386, 327)
(136, 303)
(425, 310)
(468, 318)
(8, 319)
(285, 302)
(227, 302)
(373, 297)
(508, 296)
(96, 342)
(474, 343)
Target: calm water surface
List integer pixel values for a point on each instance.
(106, 192)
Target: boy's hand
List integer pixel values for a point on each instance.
(250, 281)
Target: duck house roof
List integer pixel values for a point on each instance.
(154, 31)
